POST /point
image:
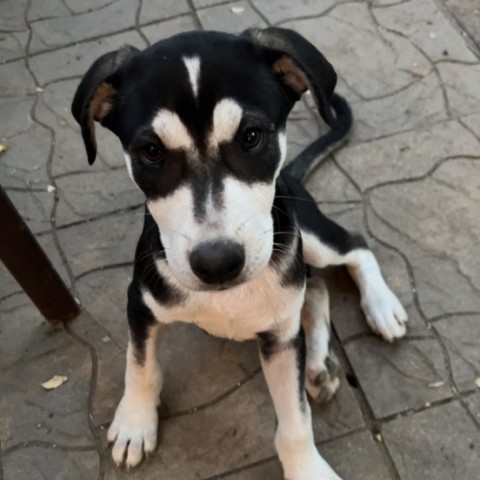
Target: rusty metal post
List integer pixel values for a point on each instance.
(27, 262)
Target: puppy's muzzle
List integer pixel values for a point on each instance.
(217, 262)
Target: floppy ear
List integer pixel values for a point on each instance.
(95, 94)
(298, 65)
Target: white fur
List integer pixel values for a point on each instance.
(227, 115)
(316, 324)
(193, 68)
(134, 427)
(243, 217)
(383, 311)
(172, 131)
(294, 439)
(224, 313)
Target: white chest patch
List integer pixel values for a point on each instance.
(193, 69)
(238, 313)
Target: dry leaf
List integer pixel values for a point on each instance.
(54, 382)
(436, 384)
(379, 438)
(3, 148)
(238, 10)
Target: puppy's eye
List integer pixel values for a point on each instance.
(252, 138)
(152, 154)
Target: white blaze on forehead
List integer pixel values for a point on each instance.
(227, 115)
(193, 68)
(172, 131)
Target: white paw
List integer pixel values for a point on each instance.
(384, 313)
(314, 467)
(322, 380)
(133, 431)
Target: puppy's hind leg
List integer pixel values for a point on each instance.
(321, 379)
(134, 427)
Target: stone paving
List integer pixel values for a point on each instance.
(409, 180)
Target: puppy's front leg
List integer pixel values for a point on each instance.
(283, 364)
(134, 427)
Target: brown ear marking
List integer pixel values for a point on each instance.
(99, 106)
(291, 74)
(100, 103)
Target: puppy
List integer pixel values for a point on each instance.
(228, 235)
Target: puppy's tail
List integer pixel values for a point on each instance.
(301, 166)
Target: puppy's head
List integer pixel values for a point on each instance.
(201, 117)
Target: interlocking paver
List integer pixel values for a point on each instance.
(427, 28)
(460, 335)
(445, 436)
(407, 180)
(399, 377)
(37, 463)
(110, 18)
(106, 241)
(167, 28)
(153, 10)
(225, 19)
(29, 412)
(76, 59)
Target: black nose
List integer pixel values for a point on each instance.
(218, 261)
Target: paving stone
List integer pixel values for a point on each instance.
(41, 9)
(473, 122)
(110, 363)
(355, 457)
(467, 13)
(460, 335)
(21, 167)
(328, 183)
(152, 10)
(427, 27)
(426, 446)
(346, 33)
(283, 10)
(104, 295)
(224, 19)
(418, 105)
(399, 377)
(37, 463)
(92, 193)
(406, 155)
(473, 405)
(12, 45)
(12, 18)
(438, 221)
(17, 111)
(206, 3)
(98, 243)
(34, 207)
(40, 351)
(86, 5)
(461, 86)
(75, 60)
(167, 28)
(56, 32)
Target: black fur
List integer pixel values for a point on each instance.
(236, 67)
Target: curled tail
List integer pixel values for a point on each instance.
(301, 166)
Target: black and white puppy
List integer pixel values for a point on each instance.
(228, 235)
